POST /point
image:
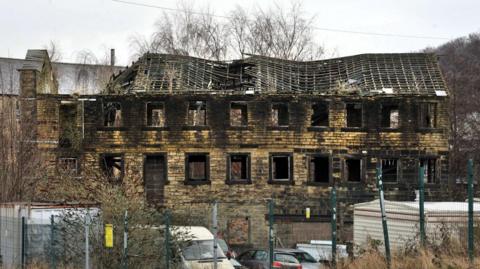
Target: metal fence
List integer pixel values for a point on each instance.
(88, 239)
(403, 227)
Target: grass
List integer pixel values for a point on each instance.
(376, 260)
(451, 256)
(423, 260)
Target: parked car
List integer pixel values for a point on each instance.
(307, 261)
(321, 250)
(230, 253)
(259, 259)
(198, 254)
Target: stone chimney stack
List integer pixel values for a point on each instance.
(112, 57)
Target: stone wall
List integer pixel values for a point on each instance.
(245, 204)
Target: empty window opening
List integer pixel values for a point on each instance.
(155, 177)
(354, 115)
(319, 169)
(197, 113)
(238, 114)
(112, 167)
(279, 115)
(428, 115)
(17, 110)
(320, 114)
(390, 116)
(67, 166)
(197, 167)
(239, 167)
(429, 172)
(281, 168)
(389, 170)
(155, 115)
(68, 129)
(353, 170)
(112, 114)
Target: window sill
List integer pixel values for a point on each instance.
(429, 130)
(319, 128)
(238, 182)
(196, 128)
(279, 182)
(155, 128)
(279, 128)
(353, 129)
(196, 183)
(318, 184)
(353, 183)
(239, 128)
(389, 130)
(106, 128)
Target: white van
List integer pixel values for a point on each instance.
(198, 254)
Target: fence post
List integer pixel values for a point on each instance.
(470, 210)
(384, 215)
(333, 202)
(167, 239)
(24, 241)
(421, 201)
(52, 242)
(215, 242)
(87, 248)
(125, 240)
(270, 233)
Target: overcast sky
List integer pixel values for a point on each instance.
(98, 25)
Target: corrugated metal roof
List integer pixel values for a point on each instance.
(71, 77)
(430, 207)
(403, 221)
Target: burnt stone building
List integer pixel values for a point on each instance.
(182, 132)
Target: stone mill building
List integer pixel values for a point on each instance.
(182, 132)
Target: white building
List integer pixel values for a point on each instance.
(36, 238)
(403, 221)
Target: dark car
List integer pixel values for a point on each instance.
(307, 261)
(259, 259)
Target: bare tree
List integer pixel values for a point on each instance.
(273, 32)
(187, 33)
(101, 73)
(21, 162)
(141, 45)
(54, 51)
(145, 233)
(87, 57)
(460, 63)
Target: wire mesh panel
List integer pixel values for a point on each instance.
(37, 240)
(11, 241)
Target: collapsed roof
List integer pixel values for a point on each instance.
(366, 74)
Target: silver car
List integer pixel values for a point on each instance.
(259, 259)
(307, 261)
